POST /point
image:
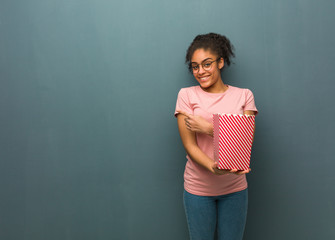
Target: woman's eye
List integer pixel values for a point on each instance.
(195, 67)
(207, 64)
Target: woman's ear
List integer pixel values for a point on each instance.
(221, 63)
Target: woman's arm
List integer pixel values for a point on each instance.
(188, 125)
(197, 124)
(248, 112)
(201, 125)
(194, 152)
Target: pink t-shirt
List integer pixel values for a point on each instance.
(194, 100)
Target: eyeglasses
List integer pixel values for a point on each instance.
(207, 65)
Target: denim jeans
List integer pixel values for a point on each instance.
(222, 216)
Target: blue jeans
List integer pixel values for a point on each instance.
(224, 215)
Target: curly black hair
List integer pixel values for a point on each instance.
(216, 43)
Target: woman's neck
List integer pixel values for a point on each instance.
(218, 87)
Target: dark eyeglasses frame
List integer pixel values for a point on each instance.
(202, 64)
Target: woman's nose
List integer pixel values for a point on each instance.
(201, 69)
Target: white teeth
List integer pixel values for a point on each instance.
(204, 78)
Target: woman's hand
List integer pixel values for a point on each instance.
(197, 123)
(218, 171)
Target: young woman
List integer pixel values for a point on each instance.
(215, 200)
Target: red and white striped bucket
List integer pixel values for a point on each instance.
(233, 138)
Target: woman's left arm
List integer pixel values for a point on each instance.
(249, 112)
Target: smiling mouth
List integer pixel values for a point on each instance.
(203, 79)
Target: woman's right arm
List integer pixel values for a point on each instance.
(190, 144)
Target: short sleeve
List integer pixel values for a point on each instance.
(250, 102)
(183, 102)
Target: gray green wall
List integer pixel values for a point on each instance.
(90, 147)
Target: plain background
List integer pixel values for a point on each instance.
(89, 144)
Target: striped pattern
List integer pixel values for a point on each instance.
(233, 136)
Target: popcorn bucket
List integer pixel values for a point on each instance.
(233, 138)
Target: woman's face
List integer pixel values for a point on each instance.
(209, 77)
